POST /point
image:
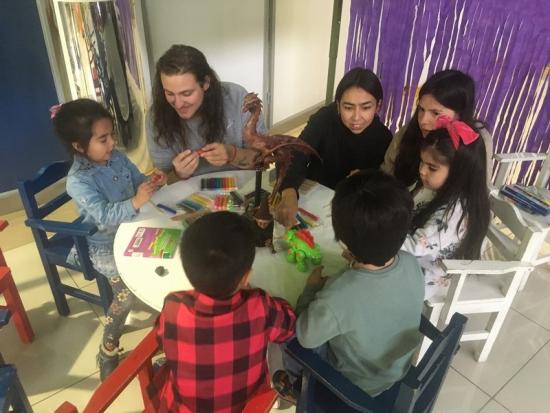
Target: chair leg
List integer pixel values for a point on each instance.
(432, 312)
(105, 292)
(531, 253)
(524, 280)
(21, 402)
(59, 297)
(14, 393)
(493, 326)
(19, 315)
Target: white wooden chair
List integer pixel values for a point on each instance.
(518, 235)
(476, 287)
(531, 231)
(487, 286)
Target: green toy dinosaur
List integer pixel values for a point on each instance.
(301, 247)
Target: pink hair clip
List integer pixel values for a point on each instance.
(54, 109)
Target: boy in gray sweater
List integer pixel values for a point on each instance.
(370, 313)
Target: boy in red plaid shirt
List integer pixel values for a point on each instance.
(215, 337)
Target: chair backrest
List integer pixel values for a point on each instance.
(512, 246)
(507, 162)
(139, 363)
(416, 392)
(45, 177)
(419, 388)
(528, 231)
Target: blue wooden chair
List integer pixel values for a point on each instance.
(12, 395)
(53, 250)
(5, 316)
(324, 389)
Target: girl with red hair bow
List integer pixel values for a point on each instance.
(454, 222)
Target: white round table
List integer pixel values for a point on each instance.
(270, 271)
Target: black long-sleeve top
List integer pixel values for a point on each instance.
(341, 150)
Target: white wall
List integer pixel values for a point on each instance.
(302, 40)
(343, 42)
(230, 33)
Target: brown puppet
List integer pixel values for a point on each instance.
(263, 227)
(271, 148)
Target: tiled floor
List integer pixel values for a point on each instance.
(60, 364)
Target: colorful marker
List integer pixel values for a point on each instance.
(167, 209)
(309, 214)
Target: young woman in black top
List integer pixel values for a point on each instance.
(347, 134)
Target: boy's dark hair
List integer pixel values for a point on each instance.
(74, 121)
(216, 251)
(454, 90)
(371, 214)
(361, 78)
(465, 184)
(178, 60)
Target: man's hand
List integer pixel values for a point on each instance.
(185, 163)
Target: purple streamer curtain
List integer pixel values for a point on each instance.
(504, 45)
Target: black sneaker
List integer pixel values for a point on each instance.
(107, 361)
(284, 387)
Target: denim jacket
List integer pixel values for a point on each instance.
(103, 194)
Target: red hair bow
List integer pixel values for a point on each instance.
(54, 109)
(458, 130)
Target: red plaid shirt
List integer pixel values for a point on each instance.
(216, 349)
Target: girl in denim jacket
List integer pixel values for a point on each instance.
(108, 189)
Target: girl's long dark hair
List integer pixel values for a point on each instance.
(454, 90)
(178, 60)
(466, 184)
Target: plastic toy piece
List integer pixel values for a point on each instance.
(161, 271)
(155, 178)
(302, 248)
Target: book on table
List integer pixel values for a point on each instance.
(154, 242)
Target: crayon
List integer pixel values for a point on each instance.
(309, 214)
(167, 209)
(236, 198)
(301, 221)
